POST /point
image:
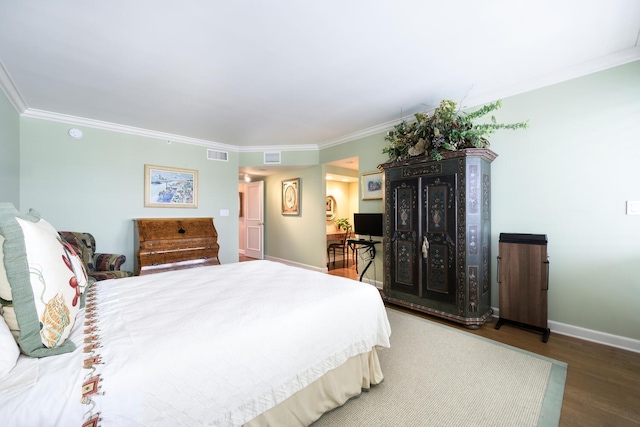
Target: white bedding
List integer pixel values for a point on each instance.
(214, 345)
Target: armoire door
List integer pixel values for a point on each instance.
(404, 236)
(439, 212)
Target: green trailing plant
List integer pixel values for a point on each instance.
(342, 223)
(447, 129)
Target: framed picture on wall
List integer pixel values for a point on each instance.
(372, 186)
(291, 197)
(330, 209)
(167, 187)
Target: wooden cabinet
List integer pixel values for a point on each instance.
(523, 281)
(437, 235)
(175, 243)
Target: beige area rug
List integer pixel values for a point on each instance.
(440, 376)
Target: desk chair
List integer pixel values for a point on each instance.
(342, 247)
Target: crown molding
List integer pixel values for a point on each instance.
(98, 124)
(11, 91)
(589, 67)
(559, 76)
(359, 134)
(580, 70)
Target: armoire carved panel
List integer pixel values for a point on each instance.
(437, 235)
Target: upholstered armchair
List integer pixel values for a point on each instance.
(99, 266)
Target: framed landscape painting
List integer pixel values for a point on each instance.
(372, 186)
(166, 187)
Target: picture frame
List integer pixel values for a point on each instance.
(169, 187)
(372, 186)
(291, 197)
(330, 208)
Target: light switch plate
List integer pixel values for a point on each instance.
(224, 212)
(633, 207)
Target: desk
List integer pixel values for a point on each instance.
(335, 236)
(368, 246)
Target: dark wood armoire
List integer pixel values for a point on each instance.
(438, 235)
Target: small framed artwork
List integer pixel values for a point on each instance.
(291, 197)
(166, 187)
(330, 208)
(372, 186)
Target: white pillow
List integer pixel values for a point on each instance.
(9, 350)
(44, 292)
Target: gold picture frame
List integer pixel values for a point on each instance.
(330, 208)
(291, 197)
(167, 187)
(372, 186)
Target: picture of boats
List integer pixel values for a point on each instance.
(170, 187)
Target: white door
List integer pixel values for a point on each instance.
(254, 247)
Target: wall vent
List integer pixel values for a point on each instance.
(272, 158)
(221, 156)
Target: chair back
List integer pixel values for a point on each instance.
(83, 243)
(347, 235)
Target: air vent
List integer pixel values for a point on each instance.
(221, 156)
(272, 158)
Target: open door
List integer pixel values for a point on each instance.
(254, 195)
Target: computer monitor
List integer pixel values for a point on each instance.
(367, 224)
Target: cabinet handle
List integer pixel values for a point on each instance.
(425, 247)
(546, 263)
(498, 272)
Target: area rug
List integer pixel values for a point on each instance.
(436, 375)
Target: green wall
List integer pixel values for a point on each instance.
(299, 239)
(369, 152)
(568, 176)
(9, 153)
(96, 183)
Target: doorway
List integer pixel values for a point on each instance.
(342, 201)
(251, 223)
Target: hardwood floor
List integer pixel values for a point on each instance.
(603, 383)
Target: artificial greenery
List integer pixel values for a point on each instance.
(342, 223)
(447, 129)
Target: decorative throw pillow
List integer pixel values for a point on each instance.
(45, 289)
(9, 350)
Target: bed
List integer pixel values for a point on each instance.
(255, 343)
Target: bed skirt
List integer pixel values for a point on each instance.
(330, 391)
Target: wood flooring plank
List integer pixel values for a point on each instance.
(603, 382)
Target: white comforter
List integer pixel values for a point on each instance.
(219, 345)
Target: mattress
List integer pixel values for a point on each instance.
(215, 345)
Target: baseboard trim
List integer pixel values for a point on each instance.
(296, 264)
(591, 335)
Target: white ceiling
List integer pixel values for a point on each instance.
(292, 73)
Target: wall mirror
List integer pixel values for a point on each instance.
(331, 208)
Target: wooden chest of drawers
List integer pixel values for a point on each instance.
(175, 243)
